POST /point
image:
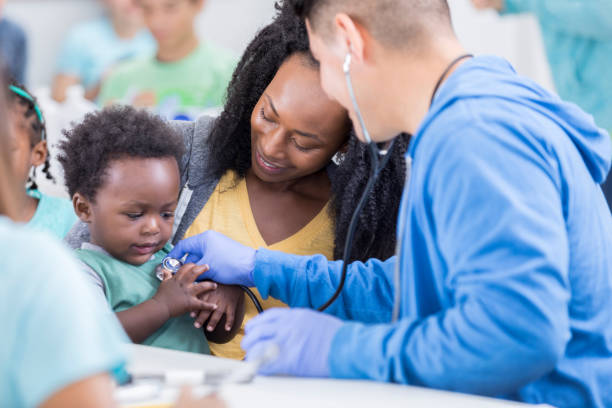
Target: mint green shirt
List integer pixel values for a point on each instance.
(53, 335)
(126, 286)
(53, 214)
(578, 39)
(180, 90)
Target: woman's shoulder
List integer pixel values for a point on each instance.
(197, 160)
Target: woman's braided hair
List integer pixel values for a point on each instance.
(36, 128)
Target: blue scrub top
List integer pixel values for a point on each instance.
(505, 254)
(53, 335)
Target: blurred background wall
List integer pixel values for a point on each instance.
(232, 23)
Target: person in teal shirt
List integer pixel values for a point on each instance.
(57, 336)
(28, 145)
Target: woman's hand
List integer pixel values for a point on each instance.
(221, 325)
(180, 293)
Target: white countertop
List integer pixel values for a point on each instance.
(272, 392)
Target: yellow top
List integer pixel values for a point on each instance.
(228, 211)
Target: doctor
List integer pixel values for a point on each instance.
(506, 239)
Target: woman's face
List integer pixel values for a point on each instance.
(295, 128)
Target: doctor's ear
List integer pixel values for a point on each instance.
(352, 35)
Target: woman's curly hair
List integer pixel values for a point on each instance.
(114, 133)
(230, 141)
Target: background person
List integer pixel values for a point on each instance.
(29, 146)
(13, 47)
(92, 48)
(185, 77)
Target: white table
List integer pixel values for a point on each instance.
(272, 392)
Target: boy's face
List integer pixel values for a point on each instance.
(132, 214)
(170, 21)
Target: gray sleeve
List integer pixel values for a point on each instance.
(186, 131)
(199, 176)
(92, 277)
(78, 234)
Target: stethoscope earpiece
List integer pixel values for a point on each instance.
(347, 64)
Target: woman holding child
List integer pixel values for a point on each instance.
(262, 172)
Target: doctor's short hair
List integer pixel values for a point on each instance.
(401, 24)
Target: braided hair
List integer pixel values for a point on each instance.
(34, 124)
(230, 142)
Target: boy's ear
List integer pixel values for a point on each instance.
(39, 153)
(82, 207)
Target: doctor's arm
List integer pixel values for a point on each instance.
(503, 238)
(299, 281)
(309, 281)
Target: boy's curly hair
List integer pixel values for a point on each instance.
(113, 133)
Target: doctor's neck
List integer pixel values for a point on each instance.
(412, 77)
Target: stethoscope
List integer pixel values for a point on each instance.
(379, 158)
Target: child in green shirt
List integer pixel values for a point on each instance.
(121, 169)
(184, 78)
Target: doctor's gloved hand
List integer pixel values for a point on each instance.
(230, 262)
(303, 337)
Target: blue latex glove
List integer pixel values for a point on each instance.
(303, 337)
(230, 262)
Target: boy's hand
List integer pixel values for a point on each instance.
(223, 323)
(180, 293)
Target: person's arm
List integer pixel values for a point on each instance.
(60, 85)
(95, 392)
(70, 65)
(309, 281)
(300, 281)
(500, 229)
(590, 18)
